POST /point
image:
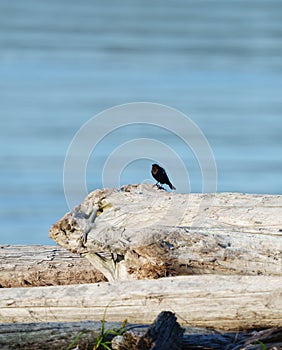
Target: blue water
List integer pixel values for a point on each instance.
(62, 62)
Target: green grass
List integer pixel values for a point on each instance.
(262, 345)
(76, 339)
(102, 342)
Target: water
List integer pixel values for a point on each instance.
(62, 62)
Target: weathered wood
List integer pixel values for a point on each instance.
(165, 334)
(58, 335)
(143, 232)
(197, 338)
(26, 266)
(223, 302)
(270, 339)
(50, 335)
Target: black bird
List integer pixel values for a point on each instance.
(160, 175)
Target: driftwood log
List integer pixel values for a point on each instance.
(221, 302)
(225, 250)
(29, 266)
(56, 335)
(140, 232)
(166, 334)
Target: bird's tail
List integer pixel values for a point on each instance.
(171, 186)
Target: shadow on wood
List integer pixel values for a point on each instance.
(164, 333)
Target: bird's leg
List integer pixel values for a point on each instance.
(160, 187)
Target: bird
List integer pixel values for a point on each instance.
(160, 175)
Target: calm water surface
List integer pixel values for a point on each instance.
(219, 62)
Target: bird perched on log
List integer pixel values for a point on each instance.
(160, 175)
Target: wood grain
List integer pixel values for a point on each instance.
(222, 302)
(37, 265)
(143, 232)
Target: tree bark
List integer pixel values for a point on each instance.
(222, 302)
(143, 232)
(26, 266)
